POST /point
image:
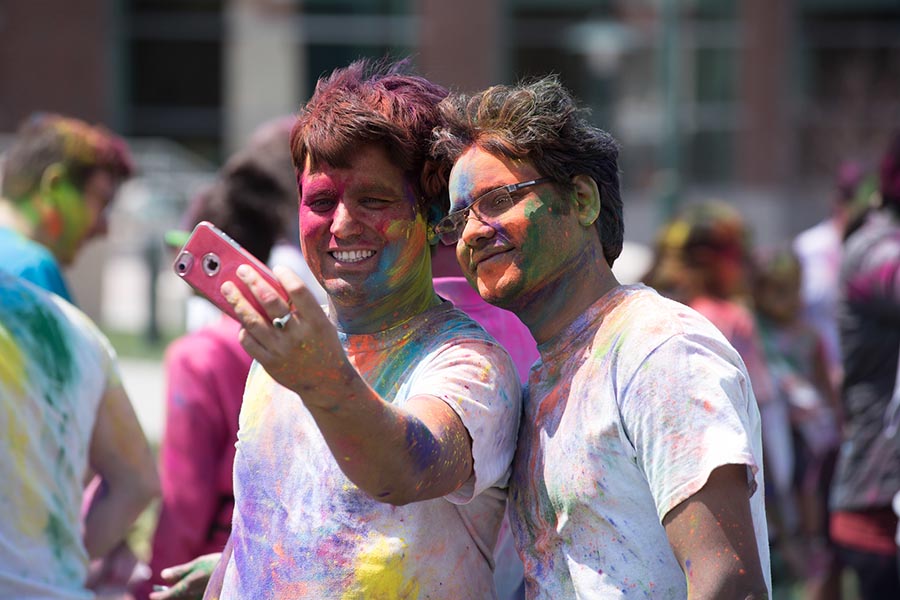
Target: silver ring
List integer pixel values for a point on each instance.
(280, 322)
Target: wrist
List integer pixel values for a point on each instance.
(331, 390)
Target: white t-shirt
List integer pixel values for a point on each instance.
(302, 529)
(54, 369)
(819, 250)
(630, 410)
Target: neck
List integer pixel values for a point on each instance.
(12, 217)
(389, 311)
(549, 311)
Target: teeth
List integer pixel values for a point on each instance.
(352, 255)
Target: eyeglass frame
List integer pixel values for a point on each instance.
(454, 217)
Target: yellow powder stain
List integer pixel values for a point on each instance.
(31, 515)
(378, 573)
(255, 396)
(12, 367)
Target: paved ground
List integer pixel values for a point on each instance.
(145, 382)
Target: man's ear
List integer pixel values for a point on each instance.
(587, 199)
(52, 178)
(434, 214)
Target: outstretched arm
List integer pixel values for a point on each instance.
(395, 454)
(711, 534)
(120, 455)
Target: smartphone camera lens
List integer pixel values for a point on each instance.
(211, 264)
(183, 263)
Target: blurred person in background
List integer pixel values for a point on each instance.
(639, 426)
(206, 371)
(59, 178)
(798, 362)
(64, 414)
(867, 475)
(819, 250)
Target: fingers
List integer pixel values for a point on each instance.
(302, 301)
(189, 580)
(246, 313)
(185, 589)
(270, 299)
(173, 574)
(301, 298)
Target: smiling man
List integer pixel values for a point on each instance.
(59, 177)
(376, 436)
(639, 467)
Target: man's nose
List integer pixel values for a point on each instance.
(344, 223)
(475, 229)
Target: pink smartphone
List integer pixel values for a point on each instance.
(210, 258)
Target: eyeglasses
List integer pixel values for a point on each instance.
(489, 205)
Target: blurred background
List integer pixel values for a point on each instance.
(754, 102)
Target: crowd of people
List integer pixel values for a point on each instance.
(453, 396)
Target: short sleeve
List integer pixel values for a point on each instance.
(479, 381)
(46, 274)
(688, 409)
(105, 353)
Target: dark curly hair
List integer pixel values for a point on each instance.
(375, 102)
(539, 121)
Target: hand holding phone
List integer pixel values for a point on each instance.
(210, 257)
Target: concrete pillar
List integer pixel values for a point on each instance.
(463, 44)
(764, 140)
(264, 66)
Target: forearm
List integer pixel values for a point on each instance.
(113, 508)
(712, 537)
(395, 454)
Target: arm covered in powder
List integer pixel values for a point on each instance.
(396, 454)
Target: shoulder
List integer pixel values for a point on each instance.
(877, 240)
(647, 320)
(449, 326)
(26, 252)
(654, 340)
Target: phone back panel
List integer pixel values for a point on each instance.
(210, 258)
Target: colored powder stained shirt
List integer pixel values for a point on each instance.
(503, 325)
(54, 369)
(32, 262)
(867, 474)
(206, 371)
(631, 408)
(302, 529)
(739, 327)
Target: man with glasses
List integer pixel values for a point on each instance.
(639, 467)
